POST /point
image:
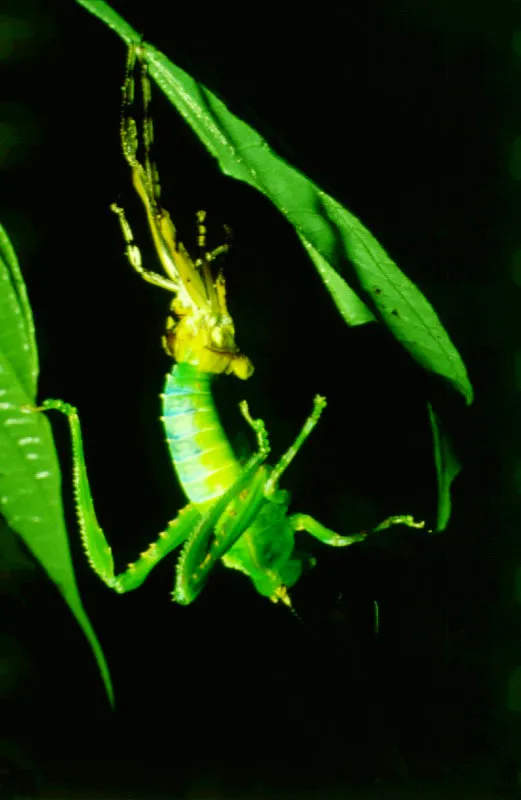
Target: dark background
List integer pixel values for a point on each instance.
(408, 114)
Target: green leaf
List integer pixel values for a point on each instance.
(17, 338)
(112, 19)
(30, 490)
(13, 555)
(447, 467)
(336, 240)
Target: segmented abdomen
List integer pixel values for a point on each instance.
(202, 457)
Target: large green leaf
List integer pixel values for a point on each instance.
(335, 240)
(30, 493)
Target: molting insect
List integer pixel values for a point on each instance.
(237, 514)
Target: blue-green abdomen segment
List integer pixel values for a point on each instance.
(202, 457)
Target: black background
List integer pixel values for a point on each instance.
(407, 115)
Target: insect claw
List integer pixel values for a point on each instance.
(281, 595)
(319, 403)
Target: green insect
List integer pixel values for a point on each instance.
(237, 514)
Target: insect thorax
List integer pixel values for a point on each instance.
(205, 340)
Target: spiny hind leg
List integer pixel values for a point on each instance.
(146, 179)
(129, 129)
(145, 176)
(174, 258)
(99, 552)
(303, 522)
(176, 533)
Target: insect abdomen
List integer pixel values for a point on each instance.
(202, 457)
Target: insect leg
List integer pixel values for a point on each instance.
(403, 519)
(173, 256)
(177, 532)
(94, 541)
(145, 179)
(133, 254)
(205, 259)
(303, 522)
(148, 130)
(128, 126)
(319, 403)
(199, 555)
